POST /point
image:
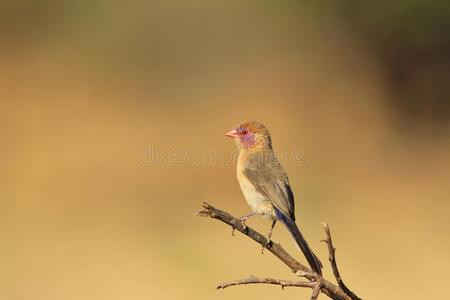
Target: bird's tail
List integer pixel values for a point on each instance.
(312, 259)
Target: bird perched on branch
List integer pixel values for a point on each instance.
(265, 183)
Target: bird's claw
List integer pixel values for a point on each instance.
(244, 226)
(242, 220)
(266, 245)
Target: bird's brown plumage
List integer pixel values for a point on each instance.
(265, 183)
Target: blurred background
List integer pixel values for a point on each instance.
(104, 105)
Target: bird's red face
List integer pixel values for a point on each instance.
(243, 136)
(249, 134)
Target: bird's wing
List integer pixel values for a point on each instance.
(269, 178)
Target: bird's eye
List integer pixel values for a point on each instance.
(244, 132)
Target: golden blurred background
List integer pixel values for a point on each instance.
(107, 110)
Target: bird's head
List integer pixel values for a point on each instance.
(251, 135)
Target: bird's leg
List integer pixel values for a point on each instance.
(243, 219)
(269, 235)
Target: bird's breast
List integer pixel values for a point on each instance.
(258, 202)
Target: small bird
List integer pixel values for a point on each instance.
(265, 184)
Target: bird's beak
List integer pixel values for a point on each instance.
(232, 133)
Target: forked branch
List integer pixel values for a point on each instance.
(314, 281)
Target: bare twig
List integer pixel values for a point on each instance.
(316, 282)
(276, 249)
(332, 259)
(253, 280)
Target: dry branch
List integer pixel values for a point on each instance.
(332, 259)
(315, 281)
(282, 283)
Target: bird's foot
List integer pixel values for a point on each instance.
(242, 220)
(266, 245)
(269, 235)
